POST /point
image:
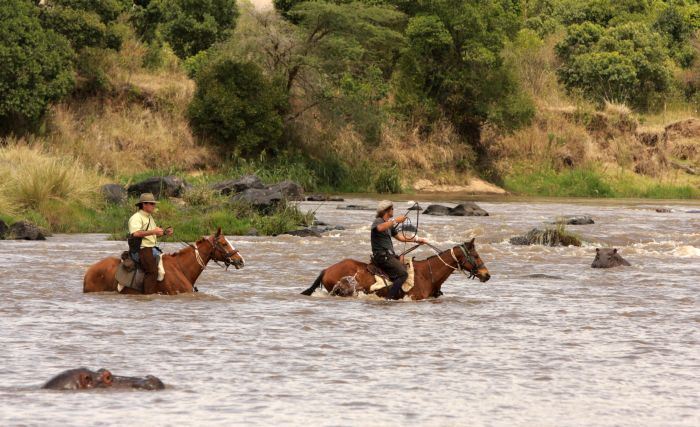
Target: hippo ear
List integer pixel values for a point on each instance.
(218, 232)
(614, 250)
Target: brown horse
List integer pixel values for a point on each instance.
(430, 274)
(182, 268)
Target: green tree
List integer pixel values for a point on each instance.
(86, 23)
(237, 107)
(452, 66)
(627, 63)
(191, 26)
(36, 65)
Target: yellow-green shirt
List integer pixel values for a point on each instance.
(140, 221)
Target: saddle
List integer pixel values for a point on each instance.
(382, 280)
(129, 273)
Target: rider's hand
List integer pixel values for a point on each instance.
(421, 241)
(157, 231)
(400, 219)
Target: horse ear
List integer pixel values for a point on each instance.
(614, 250)
(597, 250)
(470, 244)
(218, 232)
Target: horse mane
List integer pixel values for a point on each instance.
(184, 249)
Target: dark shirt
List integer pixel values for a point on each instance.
(381, 241)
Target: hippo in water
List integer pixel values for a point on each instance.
(149, 382)
(607, 257)
(79, 379)
(83, 378)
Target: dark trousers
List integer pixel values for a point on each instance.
(396, 271)
(150, 267)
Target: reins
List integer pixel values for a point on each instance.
(470, 259)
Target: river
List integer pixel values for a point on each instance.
(548, 341)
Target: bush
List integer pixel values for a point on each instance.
(92, 65)
(626, 64)
(237, 107)
(36, 65)
(86, 23)
(31, 178)
(388, 180)
(191, 26)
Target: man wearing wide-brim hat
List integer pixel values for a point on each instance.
(383, 255)
(143, 226)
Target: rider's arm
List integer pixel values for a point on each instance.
(143, 233)
(401, 238)
(391, 223)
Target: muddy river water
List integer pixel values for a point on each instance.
(548, 341)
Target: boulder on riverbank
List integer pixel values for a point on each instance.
(462, 209)
(3, 229)
(323, 198)
(289, 189)
(260, 198)
(160, 186)
(547, 236)
(233, 186)
(354, 208)
(114, 193)
(574, 220)
(25, 230)
(315, 230)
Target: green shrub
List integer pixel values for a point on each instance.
(236, 107)
(388, 180)
(92, 66)
(36, 66)
(627, 63)
(191, 26)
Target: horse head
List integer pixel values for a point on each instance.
(224, 251)
(470, 261)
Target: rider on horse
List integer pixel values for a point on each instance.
(383, 255)
(142, 226)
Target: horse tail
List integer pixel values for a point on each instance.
(316, 284)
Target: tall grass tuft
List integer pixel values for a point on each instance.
(31, 178)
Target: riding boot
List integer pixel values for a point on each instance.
(395, 292)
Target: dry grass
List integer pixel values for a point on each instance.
(120, 140)
(139, 124)
(32, 178)
(552, 139)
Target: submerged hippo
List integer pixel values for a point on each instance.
(607, 257)
(83, 378)
(149, 382)
(79, 379)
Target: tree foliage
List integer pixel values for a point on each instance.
(626, 63)
(86, 23)
(452, 66)
(191, 26)
(237, 107)
(36, 65)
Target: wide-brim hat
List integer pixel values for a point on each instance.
(384, 205)
(146, 198)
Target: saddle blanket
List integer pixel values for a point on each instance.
(134, 278)
(381, 283)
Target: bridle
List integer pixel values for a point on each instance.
(461, 266)
(217, 246)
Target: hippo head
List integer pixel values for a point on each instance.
(79, 379)
(607, 257)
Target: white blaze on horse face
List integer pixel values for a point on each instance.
(233, 248)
